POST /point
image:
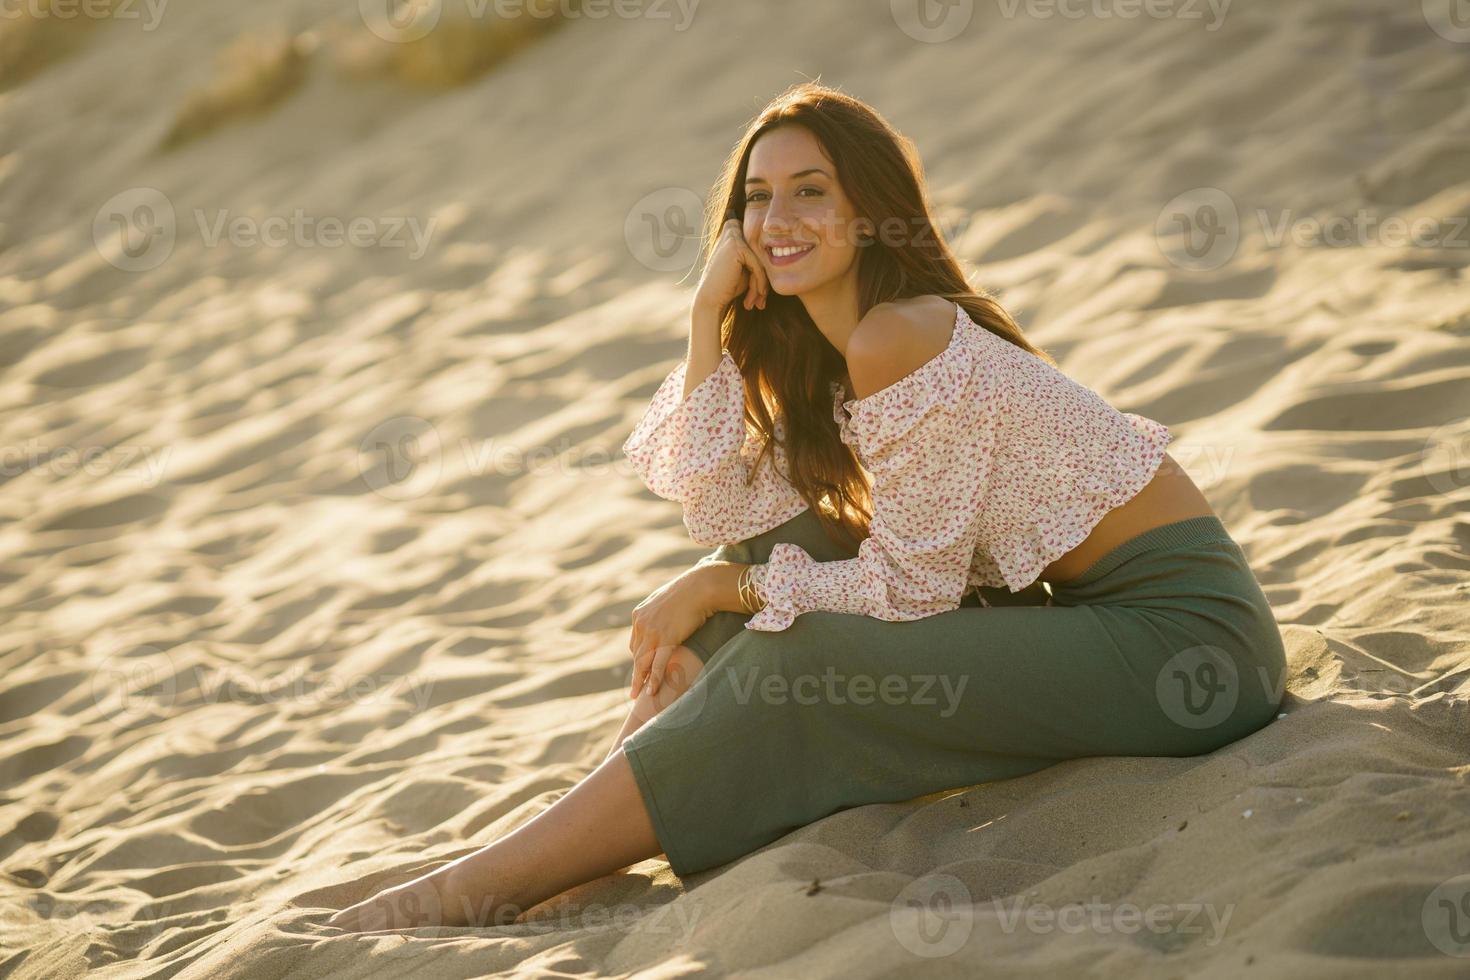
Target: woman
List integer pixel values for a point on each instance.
(1028, 577)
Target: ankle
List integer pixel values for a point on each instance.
(473, 897)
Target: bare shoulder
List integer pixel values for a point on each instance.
(893, 340)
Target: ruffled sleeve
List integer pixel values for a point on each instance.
(928, 440)
(699, 451)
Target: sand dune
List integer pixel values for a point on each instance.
(318, 549)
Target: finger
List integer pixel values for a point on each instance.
(642, 664)
(660, 661)
(765, 280)
(753, 285)
(759, 282)
(640, 676)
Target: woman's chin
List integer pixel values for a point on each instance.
(788, 285)
(796, 290)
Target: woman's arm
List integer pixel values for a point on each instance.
(719, 586)
(698, 450)
(704, 345)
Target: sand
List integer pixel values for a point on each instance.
(251, 673)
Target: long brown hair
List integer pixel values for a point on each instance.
(787, 363)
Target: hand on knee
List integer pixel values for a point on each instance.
(670, 679)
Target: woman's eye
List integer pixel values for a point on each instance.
(757, 196)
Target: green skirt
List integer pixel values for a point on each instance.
(1166, 646)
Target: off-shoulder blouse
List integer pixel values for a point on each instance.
(987, 465)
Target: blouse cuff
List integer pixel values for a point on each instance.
(792, 582)
(679, 442)
(780, 583)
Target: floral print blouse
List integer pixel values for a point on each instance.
(987, 464)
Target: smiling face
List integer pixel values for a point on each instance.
(797, 218)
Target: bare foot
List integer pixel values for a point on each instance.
(449, 896)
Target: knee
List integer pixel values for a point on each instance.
(747, 644)
(801, 648)
(746, 650)
(716, 632)
(682, 670)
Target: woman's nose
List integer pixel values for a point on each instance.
(779, 218)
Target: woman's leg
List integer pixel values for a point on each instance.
(495, 884)
(682, 670)
(600, 826)
(839, 710)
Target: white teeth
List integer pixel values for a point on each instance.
(785, 250)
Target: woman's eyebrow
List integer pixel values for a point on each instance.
(799, 173)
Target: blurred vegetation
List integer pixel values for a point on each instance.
(259, 70)
(458, 49)
(255, 72)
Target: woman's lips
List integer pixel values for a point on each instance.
(789, 259)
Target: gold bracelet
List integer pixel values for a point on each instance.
(750, 597)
